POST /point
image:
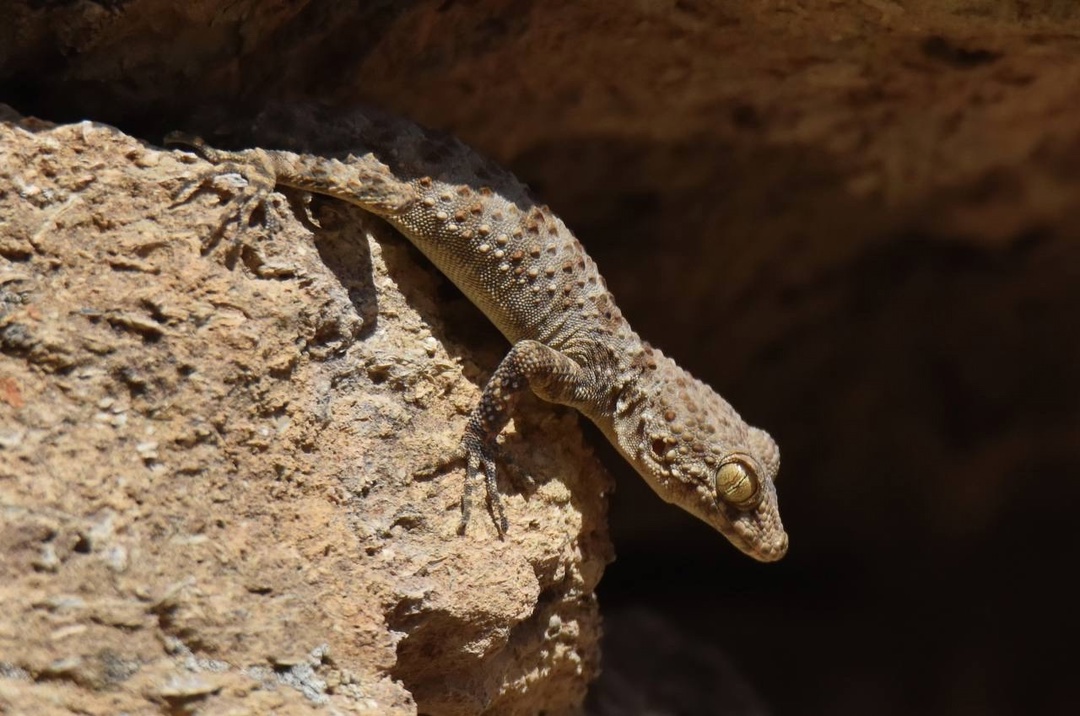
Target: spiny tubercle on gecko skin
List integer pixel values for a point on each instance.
(525, 270)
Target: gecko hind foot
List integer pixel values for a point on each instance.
(238, 180)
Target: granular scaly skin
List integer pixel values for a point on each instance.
(520, 264)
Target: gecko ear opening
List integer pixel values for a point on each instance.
(738, 483)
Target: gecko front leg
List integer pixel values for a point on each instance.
(551, 375)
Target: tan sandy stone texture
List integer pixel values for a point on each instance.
(205, 450)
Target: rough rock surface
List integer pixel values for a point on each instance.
(204, 466)
(857, 218)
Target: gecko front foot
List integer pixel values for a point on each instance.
(481, 457)
(480, 462)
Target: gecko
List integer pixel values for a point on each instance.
(525, 270)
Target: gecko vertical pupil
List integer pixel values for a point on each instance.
(738, 485)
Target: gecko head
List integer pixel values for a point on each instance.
(697, 453)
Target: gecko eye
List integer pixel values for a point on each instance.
(738, 484)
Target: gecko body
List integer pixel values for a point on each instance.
(525, 270)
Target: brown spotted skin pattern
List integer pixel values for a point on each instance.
(520, 264)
